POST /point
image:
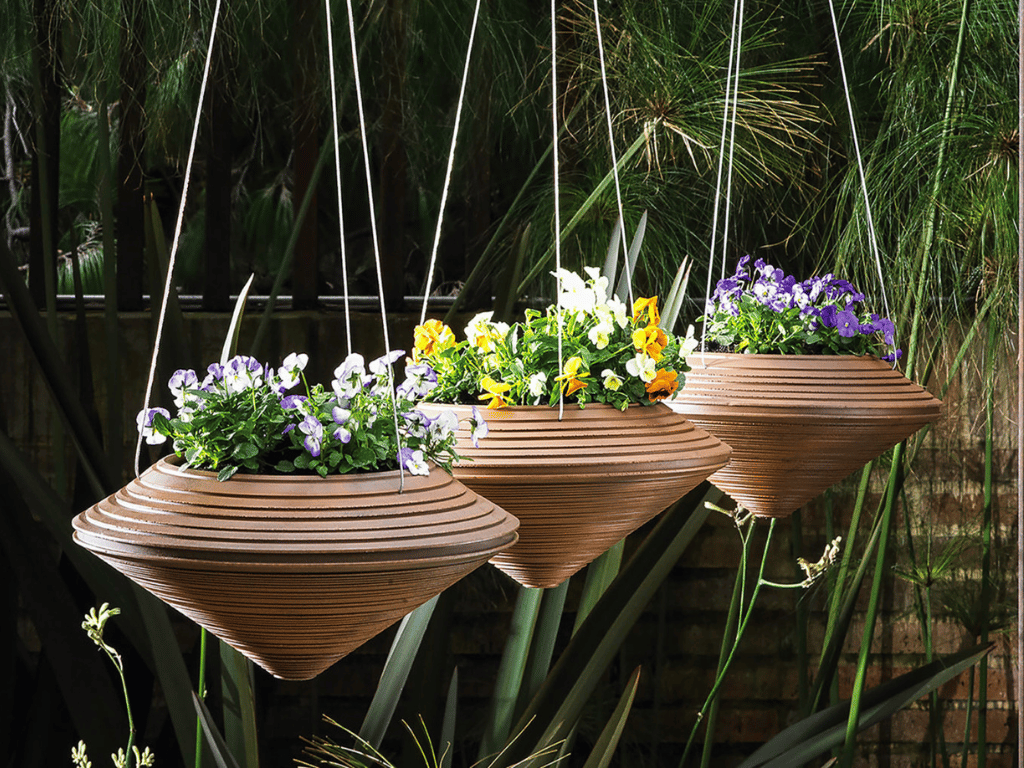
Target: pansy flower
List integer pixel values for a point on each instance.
(431, 338)
(413, 462)
(663, 385)
(314, 432)
(650, 306)
(493, 391)
(650, 340)
(571, 373)
(144, 422)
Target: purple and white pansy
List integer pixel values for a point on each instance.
(245, 415)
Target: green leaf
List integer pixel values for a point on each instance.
(239, 706)
(447, 742)
(221, 753)
(244, 451)
(572, 681)
(511, 670)
(284, 466)
(622, 289)
(227, 473)
(396, 672)
(824, 730)
(235, 326)
(604, 749)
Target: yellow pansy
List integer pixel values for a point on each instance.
(493, 391)
(651, 340)
(647, 305)
(433, 336)
(570, 375)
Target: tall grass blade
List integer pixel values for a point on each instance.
(235, 327)
(604, 750)
(581, 213)
(673, 302)
(239, 706)
(622, 290)
(221, 754)
(511, 670)
(824, 730)
(451, 704)
(396, 672)
(542, 649)
(611, 258)
(600, 574)
(579, 668)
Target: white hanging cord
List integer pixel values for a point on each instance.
(721, 157)
(860, 168)
(558, 218)
(732, 135)
(611, 144)
(373, 225)
(451, 163)
(169, 283)
(337, 174)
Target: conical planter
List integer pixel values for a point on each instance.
(798, 424)
(294, 572)
(580, 484)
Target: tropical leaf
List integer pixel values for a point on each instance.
(396, 672)
(554, 710)
(604, 750)
(824, 730)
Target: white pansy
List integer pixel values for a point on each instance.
(599, 282)
(600, 334)
(575, 295)
(477, 325)
(643, 367)
(689, 344)
(537, 384)
(610, 379)
(618, 311)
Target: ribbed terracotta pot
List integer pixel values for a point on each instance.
(580, 484)
(798, 424)
(294, 572)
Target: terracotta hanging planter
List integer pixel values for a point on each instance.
(798, 424)
(580, 484)
(294, 572)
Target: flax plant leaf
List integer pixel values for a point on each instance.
(824, 730)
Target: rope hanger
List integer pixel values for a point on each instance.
(168, 283)
(732, 79)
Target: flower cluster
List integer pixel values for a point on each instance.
(245, 416)
(765, 310)
(608, 353)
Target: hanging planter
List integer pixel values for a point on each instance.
(580, 477)
(580, 484)
(294, 571)
(797, 423)
(315, 520)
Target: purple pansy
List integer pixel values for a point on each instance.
(314, 432)
(413, 462)
(144, 422)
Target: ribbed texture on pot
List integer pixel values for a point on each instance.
(294, 572)
(580, 484)
(798, 424)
